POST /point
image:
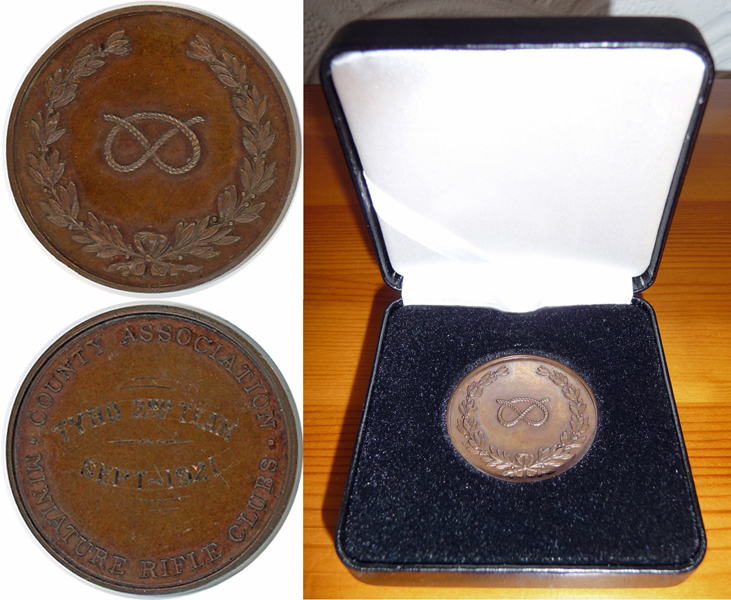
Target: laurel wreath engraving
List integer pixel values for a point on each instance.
(152, 252)
(546, 460)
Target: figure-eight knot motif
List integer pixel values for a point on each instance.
(522, 415)
(177, 126)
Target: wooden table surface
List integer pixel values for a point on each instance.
(344, 302)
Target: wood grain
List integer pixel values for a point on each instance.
(345, 298)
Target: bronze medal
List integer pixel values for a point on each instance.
(153, 149)
(522, 418)
(154, 450)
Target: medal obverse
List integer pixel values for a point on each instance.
(153, 149)
(522, 418)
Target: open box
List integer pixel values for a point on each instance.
(518, 178)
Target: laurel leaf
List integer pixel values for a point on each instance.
(56, 167)
(228, 240)
(68, 94)
(93, 221)
(53, 158)
(56, 94)
(53, 81)
(60, 221)
(209, 233)
(55, 136)
(269, 171)
(201, 226)
(113, 37)
(265, 185)
(84, 53)
(268, 142)
(56, 208)
(198, 56)
(203, 252)
(250, 147)
(258, 173)
(110, 253)
(249, 135)
(246, 218)
(84, 72)
(35, 131)
(236, 65)
(242, 109)
(82, 239)
(224, 76)
(117, 236)
(120, 48)
(227, 58)
(52, 122)
(37, 177)
(251, 213)
(262, 108)
(240, 71)
(553, 463)
(74, 200)
(267, 180)
(45, 208)
(245, 175)
(45, 169)
(118, 267)
(203, 43)
(65, 199)
(227, 202)
(58, 172)
(133, 267)
(96, 236)
(185, 233)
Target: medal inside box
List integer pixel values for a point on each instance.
(533, 166)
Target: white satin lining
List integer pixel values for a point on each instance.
(451, 271)
(519, 178)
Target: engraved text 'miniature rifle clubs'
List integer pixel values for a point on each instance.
(154, 450)
(153, 148)
(522, 418)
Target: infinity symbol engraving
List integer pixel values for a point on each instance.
(522, 414)
(127, 124)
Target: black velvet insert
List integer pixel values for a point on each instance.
(413, 501)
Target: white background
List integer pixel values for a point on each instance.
(42, 298)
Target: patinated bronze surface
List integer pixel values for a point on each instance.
(154, 450)
(522, 418)
(153, 149)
